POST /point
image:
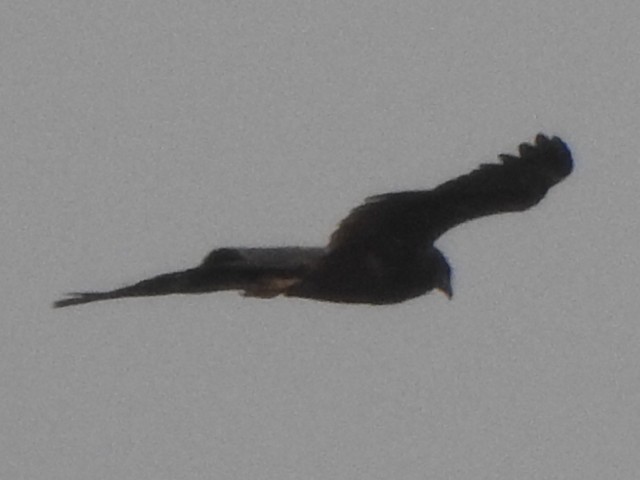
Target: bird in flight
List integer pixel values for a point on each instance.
(383, 252)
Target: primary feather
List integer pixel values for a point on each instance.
(514, 184)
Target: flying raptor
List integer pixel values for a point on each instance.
(383, 252)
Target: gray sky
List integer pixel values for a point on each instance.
(137, 136)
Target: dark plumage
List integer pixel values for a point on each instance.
(383, 251)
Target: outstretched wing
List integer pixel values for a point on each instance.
(258, 272)
(515, 184)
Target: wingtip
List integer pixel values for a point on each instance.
(78, 298)
(554, 141)
(561, 151)
(554, 148)
(65, 302)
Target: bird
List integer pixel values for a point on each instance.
(383, 251)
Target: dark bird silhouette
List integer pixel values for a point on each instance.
(383, 251)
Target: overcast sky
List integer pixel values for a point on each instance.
(138, 136)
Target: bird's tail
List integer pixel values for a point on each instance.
(175, 282)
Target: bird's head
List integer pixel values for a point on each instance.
(442, 273)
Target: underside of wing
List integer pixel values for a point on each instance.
(262, 272)
(516, 183)
(396, 216)
(257, 272)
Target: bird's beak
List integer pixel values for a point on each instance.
(447, 290)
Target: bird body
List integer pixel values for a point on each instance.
(383, 252)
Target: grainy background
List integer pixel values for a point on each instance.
(137, 136)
